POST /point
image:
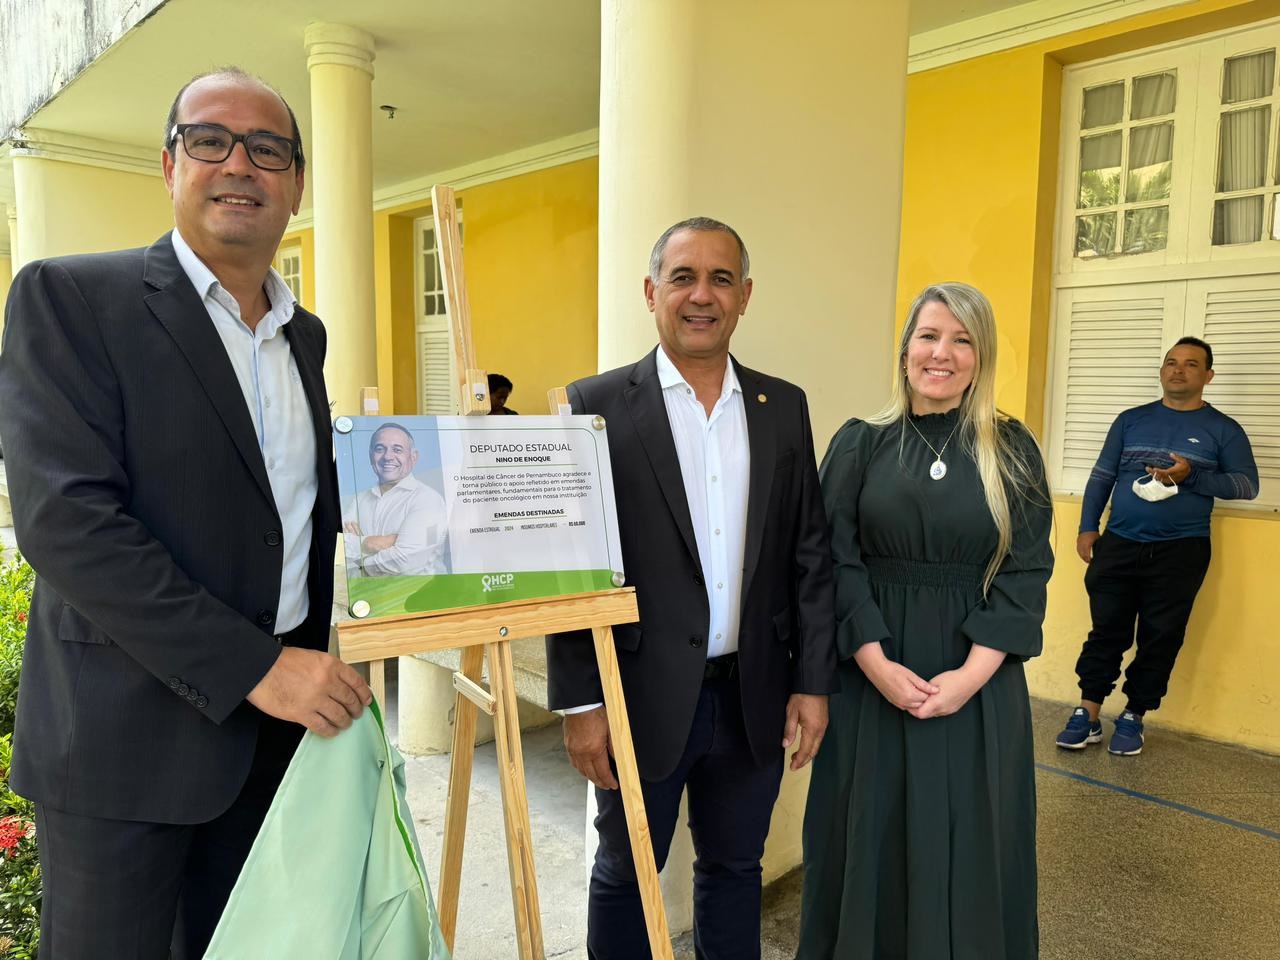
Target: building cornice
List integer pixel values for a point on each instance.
(1018, 25)
(55, 145)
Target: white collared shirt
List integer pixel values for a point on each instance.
(715, 463)
(411, 511)
(273, 393)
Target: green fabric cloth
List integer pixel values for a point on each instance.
(335, 872)
(919, 835)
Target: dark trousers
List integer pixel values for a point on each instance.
(730, 803)
(1154, 584)
(150, 891)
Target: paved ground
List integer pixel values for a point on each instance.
(1169, 855)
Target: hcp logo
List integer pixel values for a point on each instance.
(498, 581)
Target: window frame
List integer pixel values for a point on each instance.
(1186, 276)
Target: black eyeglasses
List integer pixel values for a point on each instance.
(211, 143)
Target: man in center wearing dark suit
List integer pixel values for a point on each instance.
(725, 540)
(171, 472)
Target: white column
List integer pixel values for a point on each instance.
(15, 259)
(789, 127)
(75, 195)
(340, 175)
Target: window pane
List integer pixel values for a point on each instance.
(1146, 230)
(1242, 148)
(1095, 235)
(1238, 220)
(440, 305)
(1100, 170)
(1150, 162)
(1248, 77)
(1103, 105)
(1153, 96)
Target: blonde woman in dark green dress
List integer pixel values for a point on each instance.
(919, 835)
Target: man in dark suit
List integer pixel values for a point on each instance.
(725, 540)
(172, 483)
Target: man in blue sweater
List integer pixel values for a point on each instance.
(1166, 461)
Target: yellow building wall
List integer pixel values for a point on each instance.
(529, 255)
(978, 206)
(531, 260)
(6, 278)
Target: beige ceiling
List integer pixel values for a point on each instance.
(470, 79)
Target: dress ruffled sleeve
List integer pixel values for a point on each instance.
(858, 619)
(1011, 618)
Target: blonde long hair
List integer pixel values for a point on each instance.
(1002, 466)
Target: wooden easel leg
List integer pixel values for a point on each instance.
(515, 802)
(624, 755)
(378, 682)
(455, 818)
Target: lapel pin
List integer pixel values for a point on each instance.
(762, 398)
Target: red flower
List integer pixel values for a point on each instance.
(13, 830)
(22, 617)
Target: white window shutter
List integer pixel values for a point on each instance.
(1110, 362)
(1241, 318)
(436, 385)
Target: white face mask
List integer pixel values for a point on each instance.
(1154, 490)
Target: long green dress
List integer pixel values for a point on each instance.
(919, 835)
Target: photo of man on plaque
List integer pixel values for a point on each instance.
(398, 525)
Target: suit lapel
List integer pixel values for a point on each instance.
(178, 307)
(308, 354)
(762, 437)
(649, 415)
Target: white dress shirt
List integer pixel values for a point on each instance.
(411, 510)
(715, 465)
(273, 393)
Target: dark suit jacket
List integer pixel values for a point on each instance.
(787, 631)
(141, 499)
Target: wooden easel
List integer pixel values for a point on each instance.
(488, 631)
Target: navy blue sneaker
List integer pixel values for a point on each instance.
(1080, 731)
(1127, 740)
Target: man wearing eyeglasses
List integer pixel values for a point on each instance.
(166, 430)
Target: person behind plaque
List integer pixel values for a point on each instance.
(398, 526)
(1161, 466)
(499, 391)
(919, 834)
(172, 481)
(724, 538)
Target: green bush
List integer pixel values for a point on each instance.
(19, 865)
(16, 581)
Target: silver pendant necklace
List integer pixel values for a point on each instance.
(937, 469)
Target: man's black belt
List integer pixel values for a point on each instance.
(721, 668)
